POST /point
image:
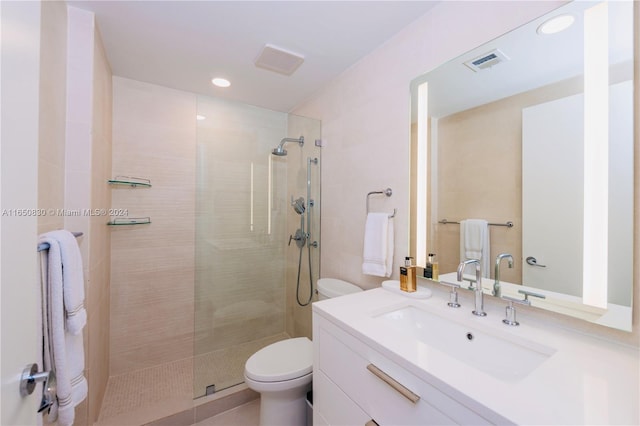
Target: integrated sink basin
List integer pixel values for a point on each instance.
(509, 358)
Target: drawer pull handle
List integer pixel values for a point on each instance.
(393, 383)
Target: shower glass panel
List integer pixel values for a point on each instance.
(241, 238)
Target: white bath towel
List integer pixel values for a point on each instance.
(378, 245)
(474, 244)
(63, 350)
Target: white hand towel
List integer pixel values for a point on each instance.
(474, 244)
(64, 351)
(378, 245)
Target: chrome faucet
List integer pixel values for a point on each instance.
(479, 311)
(497, 291)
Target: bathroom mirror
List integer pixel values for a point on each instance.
(535, 129)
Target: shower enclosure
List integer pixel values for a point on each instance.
(245, 272)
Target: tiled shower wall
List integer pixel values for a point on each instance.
(298, 318)
(152, 266)
(74, 164)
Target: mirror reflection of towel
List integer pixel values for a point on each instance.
(474, 244)
(378, 245)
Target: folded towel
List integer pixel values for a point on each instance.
(63, 349)
(474, 244)
(378, 245)
(73, 279)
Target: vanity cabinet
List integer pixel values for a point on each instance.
(353, 383)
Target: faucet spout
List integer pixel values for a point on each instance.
(497, 290)
(479, 296)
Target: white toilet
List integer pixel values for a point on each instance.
(331, 287)
(281, 372)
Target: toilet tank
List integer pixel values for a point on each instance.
(332, 287)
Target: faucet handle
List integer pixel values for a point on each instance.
(510, 310)
(453, 295)
(531, 293)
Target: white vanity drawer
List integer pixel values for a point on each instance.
(332, 406)
(344, 359)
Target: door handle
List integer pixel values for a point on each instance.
(533, 262)
(31, 376)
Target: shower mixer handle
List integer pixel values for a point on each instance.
(300, 238)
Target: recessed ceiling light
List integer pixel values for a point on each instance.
(221, 82)
(200, 117)
(556, 24)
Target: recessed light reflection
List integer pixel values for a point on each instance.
(200, 117)
(221, 82)
(556, 24)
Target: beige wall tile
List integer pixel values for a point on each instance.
(153, 266)
(52, 116)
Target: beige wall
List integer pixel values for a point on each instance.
(152, 266)
(87, 167)
(98, 283)
(365, 122)
(74, 163)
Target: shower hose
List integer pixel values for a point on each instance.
(305, 242)
(310, 279)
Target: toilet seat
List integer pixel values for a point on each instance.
(280, 361)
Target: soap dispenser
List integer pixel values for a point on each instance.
(428, 268)
(408, 276)
(435, 270)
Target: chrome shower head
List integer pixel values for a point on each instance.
(280, 151)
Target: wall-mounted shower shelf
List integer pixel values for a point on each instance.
(130, 181)
(129, 221)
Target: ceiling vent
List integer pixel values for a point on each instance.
(487, 60)
(279, 60)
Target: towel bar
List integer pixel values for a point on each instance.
(45, 246)
(388, 192)
(509, 224)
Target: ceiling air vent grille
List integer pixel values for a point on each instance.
(487, 60)
(278, 60)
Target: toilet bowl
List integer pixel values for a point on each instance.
(281, 372)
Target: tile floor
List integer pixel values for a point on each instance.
(244, 415)
(144, 396)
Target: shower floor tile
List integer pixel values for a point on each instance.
(141, 396)
(225, 367)
(146, 395)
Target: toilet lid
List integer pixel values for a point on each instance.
(284, 360)
(332, 287)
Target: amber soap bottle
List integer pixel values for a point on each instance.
(408, 276)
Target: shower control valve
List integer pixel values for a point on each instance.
(300, 237)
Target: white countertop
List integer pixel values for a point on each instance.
(586, 381)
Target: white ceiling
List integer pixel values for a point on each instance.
(183, 44)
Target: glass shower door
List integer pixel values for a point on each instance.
(240, 240)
